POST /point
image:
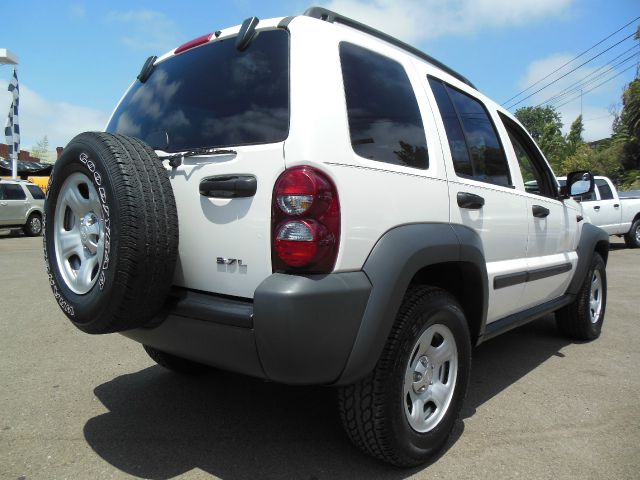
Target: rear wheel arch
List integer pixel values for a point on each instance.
(464, 281)
(407, 255)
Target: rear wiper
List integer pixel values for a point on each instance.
(175, 160)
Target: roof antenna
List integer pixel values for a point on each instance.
(247, 33)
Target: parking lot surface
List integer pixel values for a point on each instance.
(89, 407)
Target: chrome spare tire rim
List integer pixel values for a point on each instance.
(78, 233)
(595, 297)
(430, 378)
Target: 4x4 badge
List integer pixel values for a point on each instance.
(230, 261)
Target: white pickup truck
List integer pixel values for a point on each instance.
(616, 215)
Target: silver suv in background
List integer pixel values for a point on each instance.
(21, 206)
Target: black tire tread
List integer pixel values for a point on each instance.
(573, 321)
(148, 231)
(630, 238)
(27, 226)
(363, 405)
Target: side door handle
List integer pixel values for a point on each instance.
(596, 207)
(539, 211)
(4, 204)
(229, 186)
(616, 205)
(470, 201)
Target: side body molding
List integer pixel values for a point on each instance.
(394, 261)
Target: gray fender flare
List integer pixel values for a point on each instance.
(592, 239)
(393, 262)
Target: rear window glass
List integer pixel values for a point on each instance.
(604, 189)
(384, 119)
(213, 96)
(36, 192)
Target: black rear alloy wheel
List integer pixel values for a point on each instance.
(111, 232)
(404, 411)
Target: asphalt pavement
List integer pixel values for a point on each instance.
(75, 406)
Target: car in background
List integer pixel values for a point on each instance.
(21, 206)
(614, 212)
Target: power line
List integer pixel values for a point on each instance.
(583, 82)
(574, 58)
(572, 70)
(591, 89)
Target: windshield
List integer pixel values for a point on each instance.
(213, 96)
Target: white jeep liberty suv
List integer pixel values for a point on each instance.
(311, 201)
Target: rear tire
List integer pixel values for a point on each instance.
(582, 319)
(173, 362)
(632, 237)
(33, 227)
(110, 232)
(404, 411)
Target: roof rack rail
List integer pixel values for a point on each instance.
(333, 17)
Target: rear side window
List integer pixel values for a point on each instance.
(35, 192)
(213, 96)
(604, 189)
(466, 117)
(13, 192)
(384, 119)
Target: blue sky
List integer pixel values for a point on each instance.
(77, 58)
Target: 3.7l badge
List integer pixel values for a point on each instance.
(230, 261)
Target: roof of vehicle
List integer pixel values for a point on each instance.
(333, 17)
(329, 16)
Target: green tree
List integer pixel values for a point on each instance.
(41, 148)
(604, 162)
(574, 137)
(629, 125)
(545, 124)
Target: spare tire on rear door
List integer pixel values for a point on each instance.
(110, 232)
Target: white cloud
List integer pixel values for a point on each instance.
(415, 20)
(595, 104)
(77, 10)
(59, 121)
(147, 30)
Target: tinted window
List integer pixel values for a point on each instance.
(455, 135)
(36, 192)
(384, 119)
(488, 160)
(604, 189)
(213, 95)
(536, 175)
(13, 192)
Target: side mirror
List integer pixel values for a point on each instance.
(579, 183)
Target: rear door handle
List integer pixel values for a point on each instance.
(616, 205)
(229, 186)
(539, 211)
(470, 201)
(596, 207)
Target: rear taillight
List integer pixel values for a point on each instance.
(305, 222)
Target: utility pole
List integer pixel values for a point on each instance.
(8, 58)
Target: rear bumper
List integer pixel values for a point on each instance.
(297, 330)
